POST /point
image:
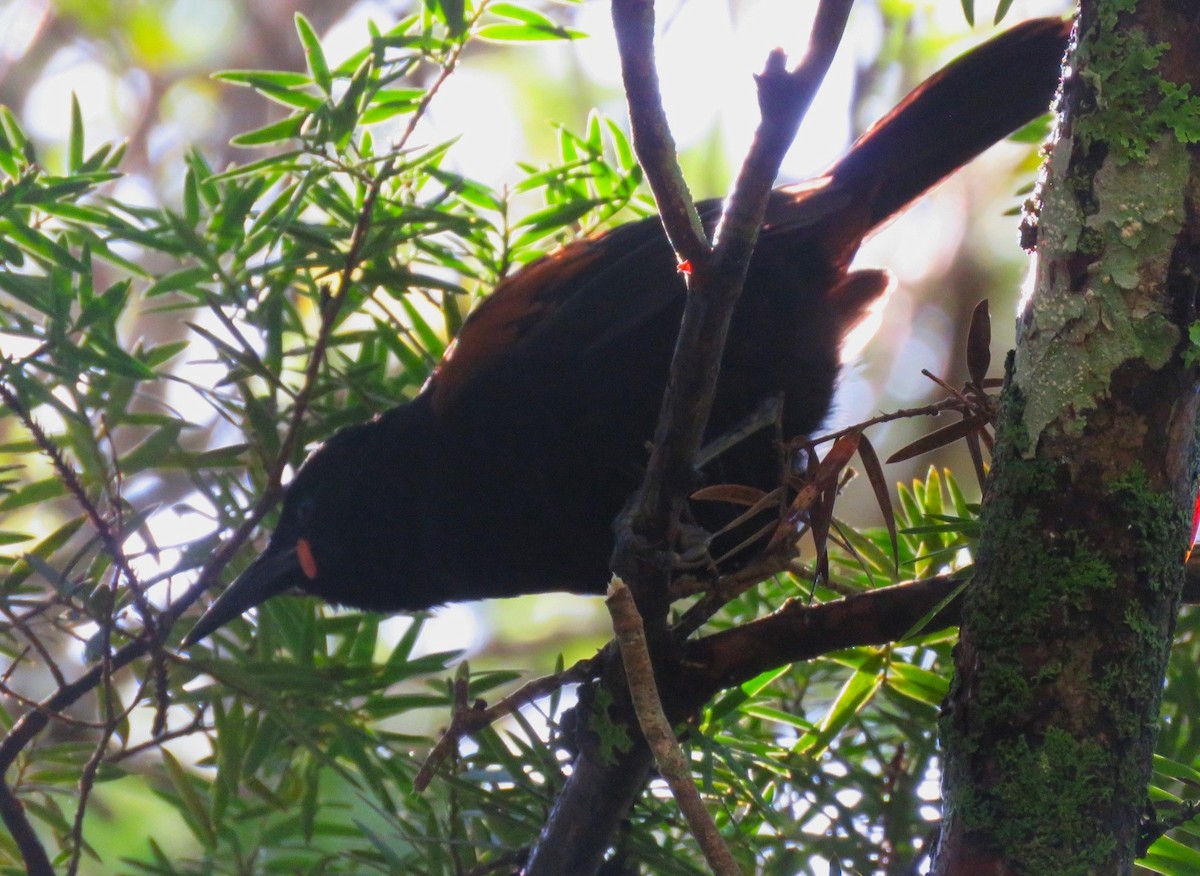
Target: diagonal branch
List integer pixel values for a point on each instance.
(633, 21)
(33, 853)
(672, 763)
(597, 795)
(716, 281)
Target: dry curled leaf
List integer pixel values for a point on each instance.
(979, 343)
(879, 484)
(942, 437)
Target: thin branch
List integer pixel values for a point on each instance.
(87, 777)
(931, 410)
(33, 853)
(70, 479)
(468, 720)
(60, 717)
(633, 21)
(461, 717)
(798, 632)
(195, 725)
(672, 764)
(783, 100)
(716, 283)
(18, 623)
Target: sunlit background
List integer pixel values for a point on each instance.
(141, 73)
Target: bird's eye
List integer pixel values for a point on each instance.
(305, 510)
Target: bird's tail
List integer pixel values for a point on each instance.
(971, 103)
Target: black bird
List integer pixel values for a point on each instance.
(504, 475)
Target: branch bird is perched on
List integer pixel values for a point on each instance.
(504, 475)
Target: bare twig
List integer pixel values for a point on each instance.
(672, 764)
(930, 410)
(716, 281)
(33, 853)
(633, 21)
(70, 479)
(469, 720)
(462, 716)
(19, 624)
(87, 777)
(715, 277)
(60, 717)
(193, 726)
(799, 632)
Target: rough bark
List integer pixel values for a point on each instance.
(1050, 723)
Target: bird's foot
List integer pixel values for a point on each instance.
(691, 549)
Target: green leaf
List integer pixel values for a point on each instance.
(855, 693)
(292, 98)
(273, 133)
(16, 136)
(191, 806)
(869, 550)
(451, 12)
(1171, 857)
(106, 308)
(161, 353)
(527, 32)
(1035, 132)
(388, 103)
(274, 79)
(49, 250)
(917, 683)
(314, 54)
(106, 353)
(621, 146)
(1179, 771)
(557, 216)
(282, 88)
(152, 452)
(8, 156)
(44, 549)
(535, 21)
(62, 188)
(184, 278)
(32, 494)
(520, 13)
(31, 290)
(75, 137)
(284, 162)
(733, 700)
(397, 95)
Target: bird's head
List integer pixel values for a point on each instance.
(344, 533)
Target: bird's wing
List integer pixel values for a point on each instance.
(567, 303)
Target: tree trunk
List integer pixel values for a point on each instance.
(1050, 723)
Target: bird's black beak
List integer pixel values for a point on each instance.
(269, 575)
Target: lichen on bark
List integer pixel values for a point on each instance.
(1085, 323)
